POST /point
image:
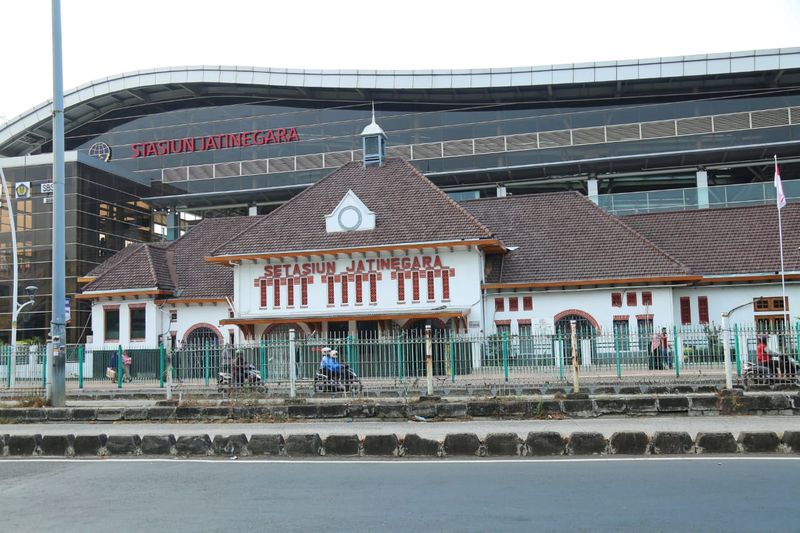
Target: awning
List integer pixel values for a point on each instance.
(354, 314)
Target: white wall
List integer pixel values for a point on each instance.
(725, 297)
(595, 302)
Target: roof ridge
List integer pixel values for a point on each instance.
(138, 245)
(433, 186)
(150, 263)
(282, 207)
(635, 233)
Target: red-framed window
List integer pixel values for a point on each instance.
(431, 286)
(415, 286)
(513, 304)
(373, 288)
(276, 295)
(499, 304)
(331, 295)
(401, 287)
(630, 299)
(527, 303)
(647, 298)
(263, 293)
(702, 309)
(345, 288)
(686, 310)
(359, 289)
(290, 292)
(616, 299)
(445, 285)
(303, 292)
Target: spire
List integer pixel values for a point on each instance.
(373, 141)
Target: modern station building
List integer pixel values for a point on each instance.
(152, 153)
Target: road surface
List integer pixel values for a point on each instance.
(698, 494)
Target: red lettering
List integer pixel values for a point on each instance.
(234, 139)
(281, 135)
(330, 267)
(395, 263)
(247, 138)
(286, 269)
(163, 148)
(258, 137)
(296, 270)
(306, 269)
(137, 150)
(384, 264)
(370, 264)
(268, 270)
(437, 262)
(415, 264)
(149, 149)
(270, 137)
(292, 136)
(426, 262)
(405, 263)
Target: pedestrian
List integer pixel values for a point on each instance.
(663, 345)
(127, 361)
(111, 370)
(654, 361)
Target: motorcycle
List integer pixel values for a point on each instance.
(782, 371)
(251, 376)
(345, 381)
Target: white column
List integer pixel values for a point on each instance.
(252, 210)
(591, 185)
(702, 189)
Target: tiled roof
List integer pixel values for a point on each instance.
(408, 209)
(565, 237)
(177, 266)
(740, 240)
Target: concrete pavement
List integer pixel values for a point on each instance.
(430, 430)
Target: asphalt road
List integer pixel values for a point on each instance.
(708, 494)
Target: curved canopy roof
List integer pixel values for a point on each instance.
(165, 89)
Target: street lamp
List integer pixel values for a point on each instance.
(31, 292)
(726, 342)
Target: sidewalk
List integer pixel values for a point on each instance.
(430, 430)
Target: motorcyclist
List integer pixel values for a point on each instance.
(330, 364)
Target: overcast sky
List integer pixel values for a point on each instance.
(101, 38)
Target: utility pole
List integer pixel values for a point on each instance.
(58, 330)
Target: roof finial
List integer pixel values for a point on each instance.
(373, 112)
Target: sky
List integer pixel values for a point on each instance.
(107, 37)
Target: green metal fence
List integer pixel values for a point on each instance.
(399, 360)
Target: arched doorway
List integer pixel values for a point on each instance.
(585, 331)
(414, 333)
(200, 349)
(273, 353)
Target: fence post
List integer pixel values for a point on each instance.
(726, 351)
(44, 366)
(169, 373)
(505, 356)
(675, 351)
(452, 358)
(119, 366)
(738, 350)
(617, 355)
(10, 353)
(205, 363)
(80, 366)
(576, 386)
(262, 357)
(352, 358)
(560, 356)
(400, 366)
(292, 368)
(797, 340)
(161, 366)
(429, 359)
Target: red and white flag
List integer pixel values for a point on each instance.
(779, 187)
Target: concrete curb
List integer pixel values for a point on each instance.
(536, 444)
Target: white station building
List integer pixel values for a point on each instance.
(375, 248)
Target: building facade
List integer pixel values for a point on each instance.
(190, 144)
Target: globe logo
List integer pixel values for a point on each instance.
(101, 151)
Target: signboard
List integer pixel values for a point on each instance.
(22, 190)
(47, 187)
(222, 141)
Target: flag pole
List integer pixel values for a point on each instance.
(779, 203)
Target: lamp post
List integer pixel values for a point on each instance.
(726, 343)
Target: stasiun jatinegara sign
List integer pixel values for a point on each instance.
(221, 141)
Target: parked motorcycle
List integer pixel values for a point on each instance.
(345, 381)
(250, 377)
(782, 371)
